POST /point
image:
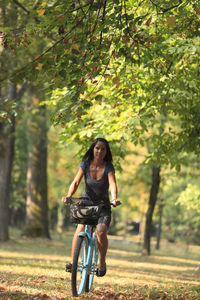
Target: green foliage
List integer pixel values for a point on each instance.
(130, 64)
(125, 70)
(190, 198)
(180, 196)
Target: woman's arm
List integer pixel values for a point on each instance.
(113, 188)
(74, 185)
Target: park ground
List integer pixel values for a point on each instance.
(35, 269)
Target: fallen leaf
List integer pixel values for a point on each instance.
(45, 296)
(111, 297)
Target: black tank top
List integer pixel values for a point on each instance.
(97, 189)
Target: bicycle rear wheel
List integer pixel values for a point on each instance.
(92, 269)
(79, 270)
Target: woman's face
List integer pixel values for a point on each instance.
(99, 150)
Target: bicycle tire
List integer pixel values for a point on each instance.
(90, 276)
(79, 271)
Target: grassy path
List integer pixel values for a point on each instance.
(34, 269)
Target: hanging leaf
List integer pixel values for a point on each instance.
(148, 22)
(40, 12)
(171, 20)
(43, 4)
(116, 81)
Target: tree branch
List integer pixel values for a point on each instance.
(21, 6)
(81, 8)
(21, 91)
(174, 6)
(103, 18)
(25, 9)
(164, 10)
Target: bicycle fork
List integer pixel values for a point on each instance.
(91, 262)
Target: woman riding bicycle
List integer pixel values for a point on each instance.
(99, 175)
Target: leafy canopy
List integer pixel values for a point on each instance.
(127, 70)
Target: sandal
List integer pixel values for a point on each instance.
(68, 267)
(101, 273)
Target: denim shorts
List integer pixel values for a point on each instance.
(105, 216)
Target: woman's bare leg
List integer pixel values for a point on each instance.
(101, 233)
(79, 228)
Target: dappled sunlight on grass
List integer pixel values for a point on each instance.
(133, 268)
(35, 269)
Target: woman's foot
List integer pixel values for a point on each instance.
(68, 267)
(101, 273)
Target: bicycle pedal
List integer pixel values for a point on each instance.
(68, 271)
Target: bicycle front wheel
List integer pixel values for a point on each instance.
(79, 268)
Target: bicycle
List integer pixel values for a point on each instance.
(85, 259)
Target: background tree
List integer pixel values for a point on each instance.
(120, 63)
(14, 52)
(10, 96)
(36, 202)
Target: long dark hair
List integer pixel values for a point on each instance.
(89, 154)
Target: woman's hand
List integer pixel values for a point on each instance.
(116, 202)
(66, 200)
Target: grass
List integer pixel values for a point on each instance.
(34, 269)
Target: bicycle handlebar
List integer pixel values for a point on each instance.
(70, 200)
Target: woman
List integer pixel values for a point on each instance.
(99, 174)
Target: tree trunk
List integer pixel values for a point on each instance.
(60, 219)
(7, 126)
(36, 205)
(158, 235)
(150, 210)
(7, 129)
(7, 141)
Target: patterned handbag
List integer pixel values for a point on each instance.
(81, 213)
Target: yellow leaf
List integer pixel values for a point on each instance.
(152, 38)
(53, 79)
(107, 76)
(133, 78)
(134, 28)
(116, 80)
(40, 12)
(148, 22)
(44, 4)
(171, 20)
(126, 91)
(197, 12)
(75, 46)
(39, 66)
(61, 18)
